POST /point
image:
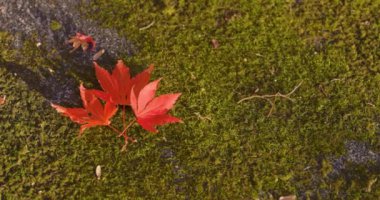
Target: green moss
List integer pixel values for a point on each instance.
(55, 25)
(6, 51)
(224, 150)
(27, 55)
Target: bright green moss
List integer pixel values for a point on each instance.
(224, 150)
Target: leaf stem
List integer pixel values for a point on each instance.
(126, 137)
(114, 129)
(128, 126)
(123, 114)
(124, 133)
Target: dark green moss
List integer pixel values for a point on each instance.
(224, 150)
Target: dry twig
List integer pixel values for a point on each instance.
(272, 97)
(202, 117)
(147, 26)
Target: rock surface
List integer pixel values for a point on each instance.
(358, 153)
(38, 16)
(50, 23)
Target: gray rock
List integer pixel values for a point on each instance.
(26, 19)
(36, 17)
(358, 153)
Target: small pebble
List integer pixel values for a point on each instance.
(290, 197)
(98, 171)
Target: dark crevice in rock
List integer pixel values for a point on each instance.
(55, 87)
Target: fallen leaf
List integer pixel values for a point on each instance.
(82, 40)
(93, 113)
(151, 111)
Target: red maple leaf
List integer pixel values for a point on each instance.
(151, 111)
(117, 86)
(81, 40)
(93, 112)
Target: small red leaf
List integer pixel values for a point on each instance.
(152, 111)
(93, 113)
(81, 40)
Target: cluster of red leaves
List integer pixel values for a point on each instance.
(119, 88)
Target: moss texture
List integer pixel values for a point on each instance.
(224, 150)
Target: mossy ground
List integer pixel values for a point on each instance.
(224, 150)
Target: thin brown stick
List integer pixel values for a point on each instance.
(123, 115)
(128, 126)
(271, 98)
(148, 26)
(126, 137)
(202, 117)
(124, 134)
